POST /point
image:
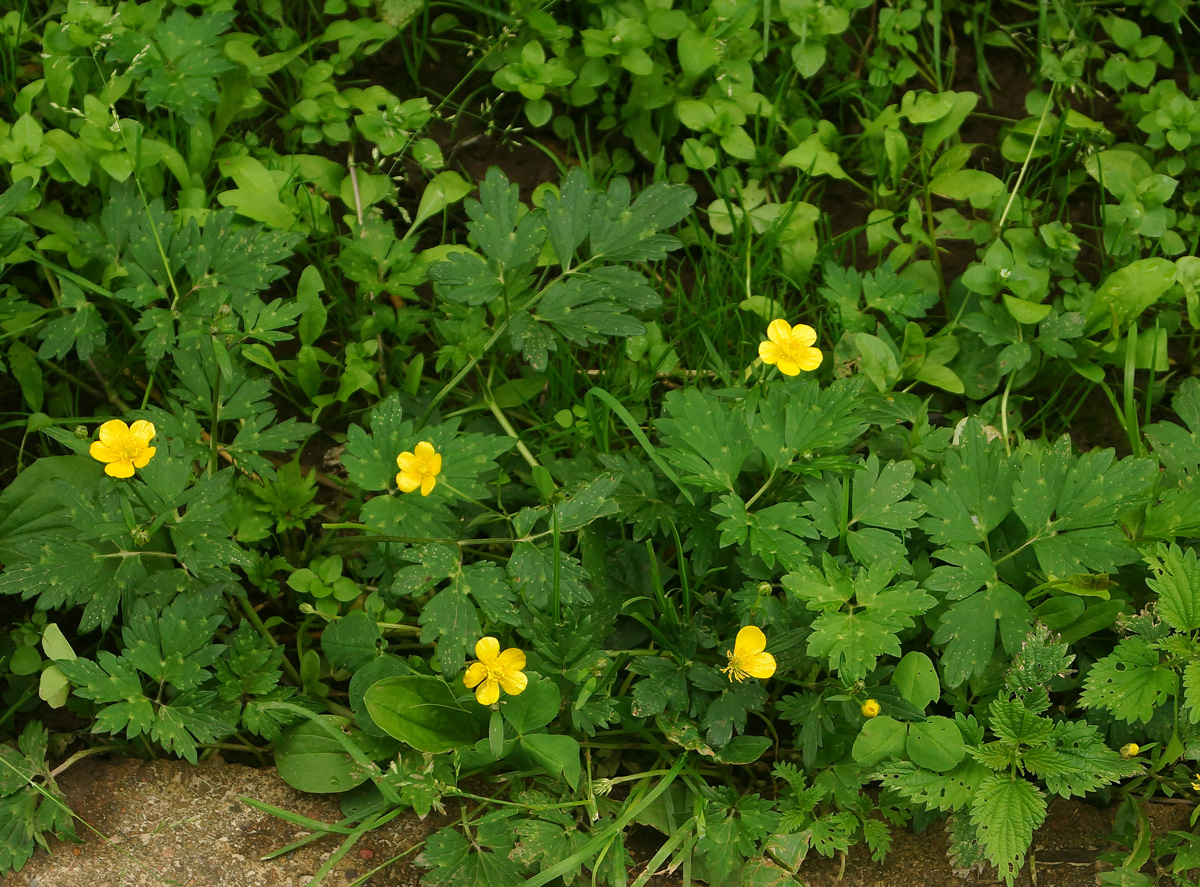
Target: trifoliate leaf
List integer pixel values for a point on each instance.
(1069, 505)
(974, 493)
(706, 438)
(968, 629)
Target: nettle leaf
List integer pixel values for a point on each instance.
(1005, 811)
(968, 629)
(974, 493)
(705, 437)
(1177, 583)
(1070, 505)
(1078, 761)
(1129, 682)
(937, 791)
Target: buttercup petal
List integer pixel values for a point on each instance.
(102, 452)
(769, 352)
(511, 659)
(803, 335)
(143, 431)
(113, 433)
(758, 665)
(514, 682)
(487, 692)
(749, 640)
(406, 462)
(487, 649)
(122, 469)
(476, 672)
(424, 450)
(809, 359)
(778, 331)
(142, 459)
(788, 367)
(434, 464)
(427, 484)
(407, 482)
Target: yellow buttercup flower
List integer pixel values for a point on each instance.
(1130, 750)
(123, 447)
(870, 708)
(748, 659)
(419, 469)
(495, 670)
(790, 348)
(1196, 782)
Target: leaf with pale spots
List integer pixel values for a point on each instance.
(1070, 505)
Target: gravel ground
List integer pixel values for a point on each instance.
(168, 823)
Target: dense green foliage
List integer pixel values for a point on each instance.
(447, 322)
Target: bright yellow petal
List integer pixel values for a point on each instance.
(119, 469)
(809, 359)
(749, 640)
(778, 331)
(511, 659)
(407, 482)
(427, 484)
(487, 649)
(114, 433)
(406, 461)
(769, 352)
(142, 459)
(142, 430)
(514, 682)
(476, 672)
(803, 335)
(102, 452)
(487, 692)
(424, 450)
(434, 464)
(788, 367)
(758, 665)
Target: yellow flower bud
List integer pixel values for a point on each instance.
(1130, 750)
(870, 708)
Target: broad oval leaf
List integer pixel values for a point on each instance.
(422, 712)
(310, 759)
(936, 744)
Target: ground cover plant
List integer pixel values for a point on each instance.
(753, 424)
